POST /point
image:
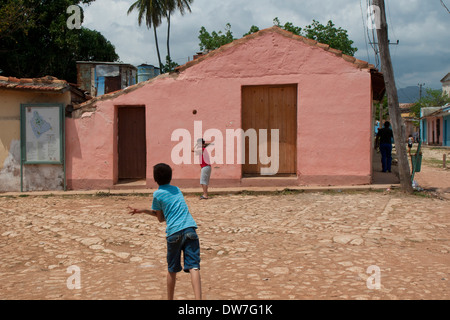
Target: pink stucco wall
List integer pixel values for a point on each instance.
(334, 136)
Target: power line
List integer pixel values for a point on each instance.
(391, 25)
(443, 4)
(364, 30)
(372, 41)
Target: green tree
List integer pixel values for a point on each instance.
(169, 66)
(214, 40)
(152, 11)
(253, 29)
(14, 17)
(43, 45)
(288, 26)
(336, 38)
(432, 98)
(93, 46)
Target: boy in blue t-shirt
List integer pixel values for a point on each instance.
(169, 205)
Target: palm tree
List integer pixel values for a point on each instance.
(171, 6)
(152, 11)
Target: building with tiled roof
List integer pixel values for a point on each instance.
(305, 108)
(16, 95)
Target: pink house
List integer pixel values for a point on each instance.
(304, 108)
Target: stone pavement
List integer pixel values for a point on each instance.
(286, 245)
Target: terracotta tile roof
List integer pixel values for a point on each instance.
(47, 83)
(377, 77)
(358, 63)
(406, 107)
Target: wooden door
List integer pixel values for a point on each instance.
(112, 84)
(255, 115)
(271, 107)
(132, 143)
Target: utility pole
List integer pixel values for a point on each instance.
(420, 90)
(391, 90)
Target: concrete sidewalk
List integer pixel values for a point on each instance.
(212, 191)
(381, 181)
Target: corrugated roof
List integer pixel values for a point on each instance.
(47, 83)
(120, 64)
(443, 111)
(435, 111)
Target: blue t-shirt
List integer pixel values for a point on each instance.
(170, 201)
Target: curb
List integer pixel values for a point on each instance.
(212, 191)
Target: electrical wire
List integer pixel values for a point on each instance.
(372, 40)
(391, 27)
(364, 30)
(443, 4)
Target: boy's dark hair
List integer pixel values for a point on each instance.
(162, 174)
(387, 124)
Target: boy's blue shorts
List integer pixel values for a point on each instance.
(185, 241)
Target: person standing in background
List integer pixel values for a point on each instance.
(384, 142)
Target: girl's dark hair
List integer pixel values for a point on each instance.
(162, 173)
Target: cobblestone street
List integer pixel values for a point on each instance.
(290, 245)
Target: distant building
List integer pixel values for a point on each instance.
(411, 123)
(435, 121)
(435, 125)
(17, 99)
(147, 72)
(99, 78)
(446, 84)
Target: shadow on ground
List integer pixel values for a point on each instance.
(380, 177)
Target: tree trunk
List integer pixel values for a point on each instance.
(394, 108)
(168, 37)
(157, 49)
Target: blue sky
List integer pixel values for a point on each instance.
(422, 27)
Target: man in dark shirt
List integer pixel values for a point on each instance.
(384, 141)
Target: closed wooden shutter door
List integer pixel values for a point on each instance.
(272, 107)
(132, 143)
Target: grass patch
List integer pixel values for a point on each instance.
(102, 194)
(435, 163)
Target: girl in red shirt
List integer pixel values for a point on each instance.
(205, 165)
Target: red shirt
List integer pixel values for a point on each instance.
(205, 162)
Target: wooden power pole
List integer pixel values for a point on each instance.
(391, 90)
